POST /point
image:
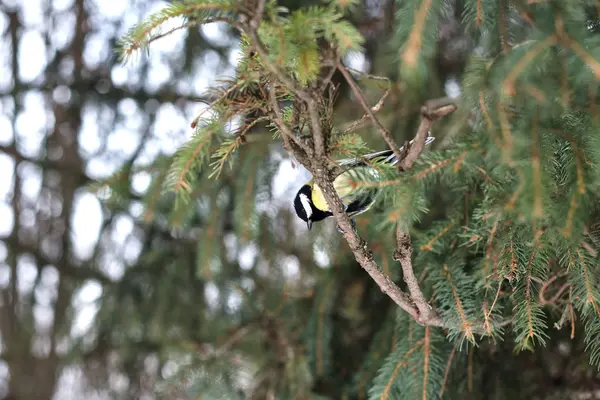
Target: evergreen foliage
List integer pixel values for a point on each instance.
(503, 214)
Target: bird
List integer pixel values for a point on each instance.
(310, 205)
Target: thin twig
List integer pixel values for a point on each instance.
(286, 134)
(356, 124)
(554, 299)
(258, 14)
(302, 94)
(361, 99)
(260, 48)
(447, 371)
(431, 111)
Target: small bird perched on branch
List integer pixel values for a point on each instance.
(310, 205)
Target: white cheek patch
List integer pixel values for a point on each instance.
(306, 204)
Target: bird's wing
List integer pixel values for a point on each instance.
(345, 186)
(388, 155)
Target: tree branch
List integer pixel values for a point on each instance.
(302, 94)
(360, 248)
(431, 111)
(302, 151)
(317, 164)
(361, 99)
(403, 254)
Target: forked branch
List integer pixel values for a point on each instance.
(316, 160)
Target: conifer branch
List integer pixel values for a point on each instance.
(415, 39)
(447, 371)
(467, 326)
(431, 111)
(361, 99)
(426, 355)
(403, 254)
(359, 247)
(401, 364)
(323, 178)
(260, 48)
(375, 109)
(286, 133)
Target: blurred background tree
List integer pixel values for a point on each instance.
(115, 288)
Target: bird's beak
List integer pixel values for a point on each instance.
(309, 224)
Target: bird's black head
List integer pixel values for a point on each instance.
(304, 206)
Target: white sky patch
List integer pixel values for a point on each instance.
(119, 75)
(85, 222)
(31, 124)
(84, 319)
(4, 275)
(136, 209)
(159, 74)
(31, 47)
(7, 218)
(96, 50)
(62, 5)
(211, 293)
(113, 268)
(141, 181)
(234, 301)
(356, 60)
(234, 55)
(120, 140)
(6, 131)
(5, 72)
(85, 303)
(288, 179)
(290, 266)
(61, 38)
(43, 315)
(3, 22)
(47, 290)
(322, 258)
(26, 274)
(89, 137)
(122, 228)
(247, 255)
(132, 249)
(31, 13)
(6, 183)
(452, 88)
(31, 180)
(111, 10)
(217, 33)
(89, 293)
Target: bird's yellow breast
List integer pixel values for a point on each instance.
(343, 186)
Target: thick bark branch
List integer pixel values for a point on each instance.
(360, 248)
(403, 254)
